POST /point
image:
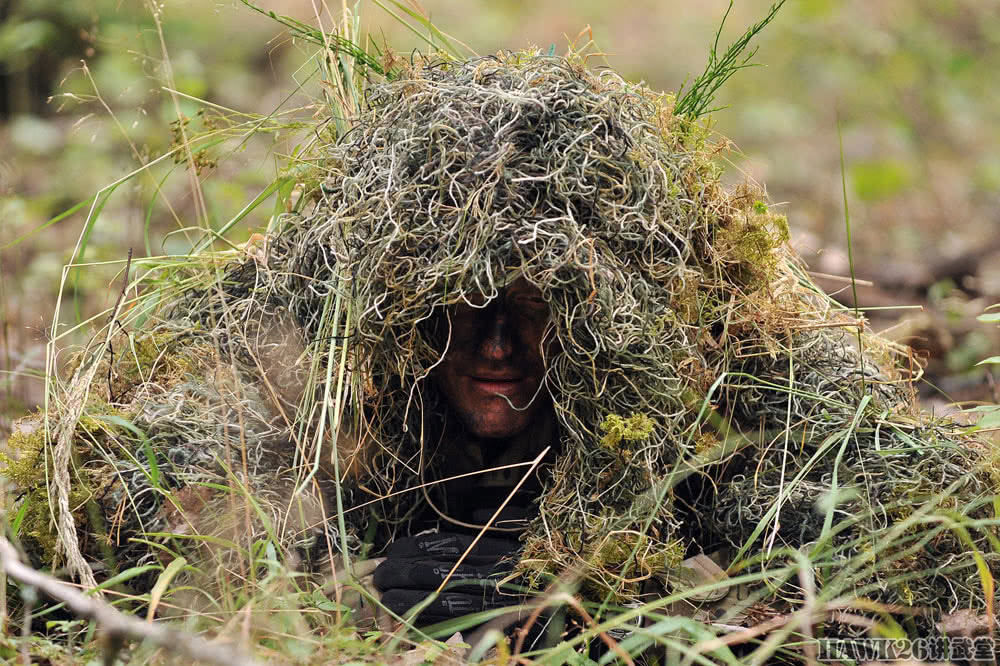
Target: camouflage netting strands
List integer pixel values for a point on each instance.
(177, 453)
(706, 394)
(467, 175)
(674, 306)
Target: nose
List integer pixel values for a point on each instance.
(496, 344)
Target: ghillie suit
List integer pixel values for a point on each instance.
(707, 395)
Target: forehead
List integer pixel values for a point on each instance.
(518, 287)
(521, 287)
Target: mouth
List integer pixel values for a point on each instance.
(491, 385)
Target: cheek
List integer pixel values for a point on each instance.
(448, 376)
(465, 327)
(445, 373)
(534, 340)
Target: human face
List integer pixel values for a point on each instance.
(494, 361)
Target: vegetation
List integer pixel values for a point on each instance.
(195, 422)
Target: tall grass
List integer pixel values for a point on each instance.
(287, 618)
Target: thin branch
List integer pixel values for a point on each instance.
(610, 642)
(116, 625)
(121, 295)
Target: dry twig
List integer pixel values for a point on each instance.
(117, 626)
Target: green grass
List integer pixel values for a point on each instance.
(285, 616)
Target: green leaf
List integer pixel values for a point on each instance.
(989, 421)
(154, 469)
(697, 100)
(991, 359)
(676, 630)
(17, 38)
(84, 241)
(285, 188)
(203, 538)
(147, 306)
(338, 43)
(990, 317)
(880, 179)
(149, 211)
(22, 511)
(445, 42)
(126, 575)
(162, 581)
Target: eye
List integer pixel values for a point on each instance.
(531, 303)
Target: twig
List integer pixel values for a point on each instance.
(610, 642)
(575, 604)
(29, 596)
(744, 635)
(111, 350)
(858, 323)
(841, 278)
(116, 625)
(492, 520)
(806, 616)
(522, 632)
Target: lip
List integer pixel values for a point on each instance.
(491, 385)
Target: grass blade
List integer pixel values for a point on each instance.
(697, 101)
(45, 225)
(162, 581)
(850, 249)
(275, 185)
(445, 40)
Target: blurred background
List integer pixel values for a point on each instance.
(85, 100)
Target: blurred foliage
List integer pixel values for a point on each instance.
(83, 93)
(34, 40)
(906, 81)
(880, 179)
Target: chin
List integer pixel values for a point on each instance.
(496, 426)
(486, 432)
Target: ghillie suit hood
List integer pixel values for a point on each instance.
(706, 394)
